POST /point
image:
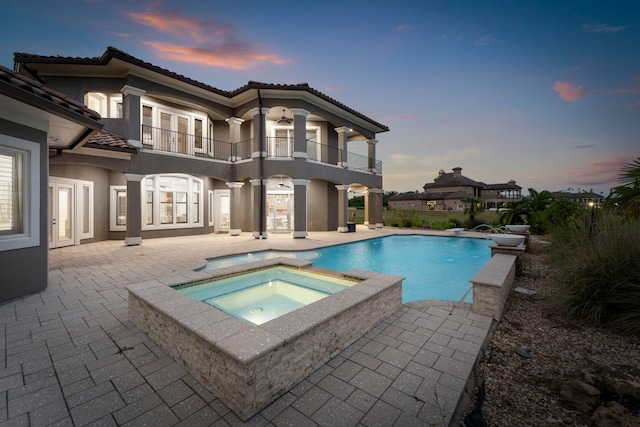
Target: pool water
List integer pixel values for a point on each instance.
(434, 267)
(263, 295)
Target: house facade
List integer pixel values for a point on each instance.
(447, 191)
(33, 121)
(173, 156)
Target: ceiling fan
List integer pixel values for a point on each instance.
(284, 119)
(282, 184)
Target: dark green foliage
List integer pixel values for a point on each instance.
(626, 197)
(596, 271)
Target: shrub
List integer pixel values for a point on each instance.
(420, 223)
(441, 225)
(596, 271)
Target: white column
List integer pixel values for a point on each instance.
(235, 207)
(234, 133)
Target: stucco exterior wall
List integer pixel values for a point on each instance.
(25, 271)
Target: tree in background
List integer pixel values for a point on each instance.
(626, 196)
(472, 206)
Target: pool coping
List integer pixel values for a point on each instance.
(235, 360)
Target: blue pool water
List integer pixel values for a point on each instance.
(434, 267)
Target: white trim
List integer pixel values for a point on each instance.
(113, 212)
(299, 234)
(131, 241)
(30, 236)
(80, 202)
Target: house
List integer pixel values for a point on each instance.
(177, 156)
(587, 198)
(34, 121)
(166, 155)
(448, 189)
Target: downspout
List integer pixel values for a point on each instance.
(261, 168)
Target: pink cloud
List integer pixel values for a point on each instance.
(599, 172)
(237, 57)
(635, 104)
(206, 42)
(404, 27)
(570, 92)
(198, 30)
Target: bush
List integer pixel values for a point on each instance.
(596, 271)
(419, 223)
(441, 225)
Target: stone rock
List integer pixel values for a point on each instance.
(613, 415)
(579, 395)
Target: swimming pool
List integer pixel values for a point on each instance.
(434, 267)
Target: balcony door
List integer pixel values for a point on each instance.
(174, 134)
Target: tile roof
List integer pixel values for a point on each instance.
(110, 141)
(111, 52)
(44, 93)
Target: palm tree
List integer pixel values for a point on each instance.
(472, 206)
(627, 195)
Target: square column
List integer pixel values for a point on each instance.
(259, 129)
(133, 234)
(234, 133)
(343, 204)
(371, 154)
(259, 208)
(379, 208)
(370, 207)
(342, 145)
(235, 207)
(131, 112)
(299, 132)
(300, 207)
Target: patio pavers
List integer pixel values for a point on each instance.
(72, 357)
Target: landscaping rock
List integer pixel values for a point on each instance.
(579, 395)
(613, 415)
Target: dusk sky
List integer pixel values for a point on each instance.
(546, 93)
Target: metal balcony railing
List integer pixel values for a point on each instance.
(158, 139)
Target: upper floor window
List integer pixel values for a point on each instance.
(108, 105)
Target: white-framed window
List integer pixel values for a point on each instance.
(108, 105)
(118, 214)
(168, 201)
(19, 193)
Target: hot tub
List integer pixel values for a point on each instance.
(247, 366)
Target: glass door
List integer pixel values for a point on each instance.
(280, 212)
(61, 215)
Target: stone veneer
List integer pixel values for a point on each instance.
(492, 284)
(246, 366)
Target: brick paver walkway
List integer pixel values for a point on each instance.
(71, 357)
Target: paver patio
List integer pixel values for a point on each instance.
(71, 357)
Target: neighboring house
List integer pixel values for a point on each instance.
(177, 156)
(586, 198)
(448, 189)
(34, 122)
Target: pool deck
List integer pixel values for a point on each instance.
(71, 357)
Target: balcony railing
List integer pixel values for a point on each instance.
(158, 139)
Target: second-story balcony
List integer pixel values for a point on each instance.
(164, 140)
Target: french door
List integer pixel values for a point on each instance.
(62, 218)
(221, 209)
(280, 212)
